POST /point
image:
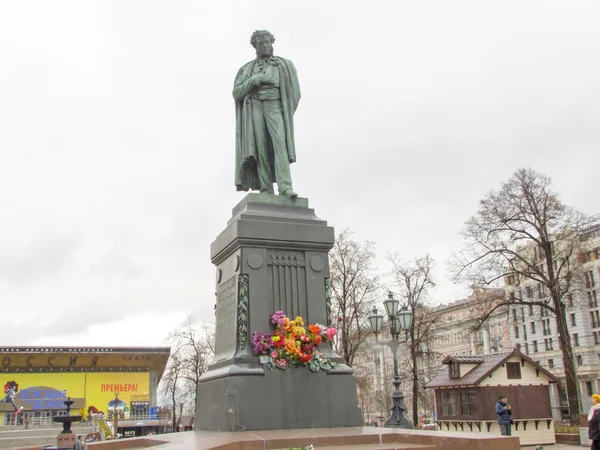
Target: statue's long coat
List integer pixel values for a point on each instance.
(245, 145)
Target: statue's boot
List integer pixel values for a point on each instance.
(289, 193)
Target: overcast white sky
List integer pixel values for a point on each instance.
(117, 139)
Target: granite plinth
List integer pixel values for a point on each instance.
(273, 255)
(329, 438)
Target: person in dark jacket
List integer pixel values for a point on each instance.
(594, 422)
(504, 411)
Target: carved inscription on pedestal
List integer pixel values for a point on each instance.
(226, 329)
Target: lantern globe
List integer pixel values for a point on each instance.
(405, 318)
(391, 305)
(375, 320)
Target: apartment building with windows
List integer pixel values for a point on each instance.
(457, 330)
(533, 328)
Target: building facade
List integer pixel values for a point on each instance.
(534, 330)
(103, 381)
(459, 330)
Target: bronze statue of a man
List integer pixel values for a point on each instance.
(266, 93)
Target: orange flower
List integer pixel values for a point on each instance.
(314, 329)
(318, 339)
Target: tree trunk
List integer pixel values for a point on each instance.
(415, 389)
(174, 424)
(564, 338)
(569, 365)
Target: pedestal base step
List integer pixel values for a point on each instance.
(391, 446)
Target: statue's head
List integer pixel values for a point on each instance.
(262, 41)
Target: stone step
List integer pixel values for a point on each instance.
(390, 446)
(26, 441)
(41, 436)
(7, 433)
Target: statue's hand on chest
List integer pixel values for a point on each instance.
(265, 72)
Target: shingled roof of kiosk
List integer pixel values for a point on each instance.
(472, 370)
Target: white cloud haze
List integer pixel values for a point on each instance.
(117, 139)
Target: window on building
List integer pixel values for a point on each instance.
(526, 348)
(468, 403)
(514, 312)
(579, 360)
(532, 327)
(596, 335)
(543, 312)
(535, 347)
(589, 388)
(576, 339)
(592, 299)
(595, 315)
(530, 310)
(524, 331)
(517, 332)
(589, 279)
(540, 292)
(513, 371)
(448, 403)
(573, 320)
(551, 363)
(454, 370)
(529, 293)
(548, 344)
(570, 300)
(546, 327)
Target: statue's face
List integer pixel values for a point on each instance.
(264, 47)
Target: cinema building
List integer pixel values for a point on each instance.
(99, 380)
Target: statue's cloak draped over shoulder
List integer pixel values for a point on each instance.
(245, 145)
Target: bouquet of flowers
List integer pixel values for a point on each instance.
(293, 345)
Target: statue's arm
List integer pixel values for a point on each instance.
(242, 87)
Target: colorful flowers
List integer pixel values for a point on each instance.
(261, 343)
(292, 345)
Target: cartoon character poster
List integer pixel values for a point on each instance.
(103, 392)
(10, 390)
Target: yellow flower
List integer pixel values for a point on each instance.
(299, 321)
(276, 338)
(298, 331)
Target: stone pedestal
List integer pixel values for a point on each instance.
(66, 440)
(273, 255)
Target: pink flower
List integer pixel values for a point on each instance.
(330, 333)
(274, 354)
(277, 318)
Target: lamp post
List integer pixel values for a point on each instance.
(158, 414)
(400, 321)
(116, 416)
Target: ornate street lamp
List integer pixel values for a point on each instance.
(400, 321)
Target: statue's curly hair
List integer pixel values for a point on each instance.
(258, 33)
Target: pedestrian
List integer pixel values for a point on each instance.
(594, 422)
(78, 444)
(504, 411)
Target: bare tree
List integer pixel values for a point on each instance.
(523, 234)
(170, 384)
(195, 347)
(366, 380)
(353, 288)
(414, 279)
